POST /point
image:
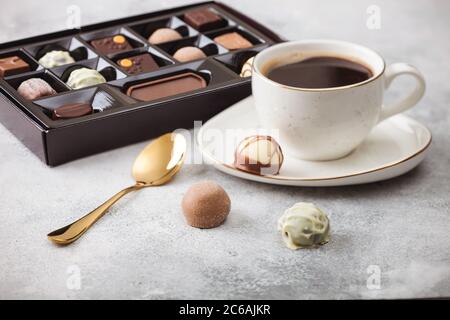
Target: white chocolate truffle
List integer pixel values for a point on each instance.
(247, 68)
(55, 59)
(188, 54)
(304, 225)
(260, 155)
(164, 35)
(85, 77)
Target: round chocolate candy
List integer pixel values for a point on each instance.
(260, 155)
(188, 54)
(206, 205)
(164, 35)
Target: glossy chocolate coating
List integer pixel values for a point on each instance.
(112, 44)
(233, 41)
(166, 87)
(204, 20)
(259, 155)
(72, 110)
(12, 65)
(138, 64)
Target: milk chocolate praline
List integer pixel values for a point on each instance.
(206, 205)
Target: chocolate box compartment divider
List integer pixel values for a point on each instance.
(58, 141)
(147, 28)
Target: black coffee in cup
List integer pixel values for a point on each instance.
(320, 72)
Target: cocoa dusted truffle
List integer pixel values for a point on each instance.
(206, 205)
(260, 155)
(188, 54)
(164, 35)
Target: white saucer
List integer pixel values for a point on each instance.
(394, 147)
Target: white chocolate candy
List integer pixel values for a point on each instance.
(55, 59)
(304, 225)
(247, 68)
(84, 77)
(260, 155)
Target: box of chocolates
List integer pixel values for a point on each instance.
(74, 93)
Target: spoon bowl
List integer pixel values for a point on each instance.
(156, 165)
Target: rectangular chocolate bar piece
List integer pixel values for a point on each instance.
(204, 20)
(12, 65)
(166, 87)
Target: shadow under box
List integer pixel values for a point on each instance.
(77, 50)
(146, 29)
(55, 83)
(99, 99)
(159, 59)
(205, 44)
(109, 72)
(33, 65)
(130, 37)
(254, 40)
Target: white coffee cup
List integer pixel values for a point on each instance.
(328, 123)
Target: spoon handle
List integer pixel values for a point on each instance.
(74, 231)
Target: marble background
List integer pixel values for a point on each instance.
(143, 249)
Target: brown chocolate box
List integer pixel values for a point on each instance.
(127, 121)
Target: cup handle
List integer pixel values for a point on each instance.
(393, 71)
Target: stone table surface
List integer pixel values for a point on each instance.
(143, 248)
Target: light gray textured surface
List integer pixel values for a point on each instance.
(143, 249)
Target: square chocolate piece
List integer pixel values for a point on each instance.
(204, 20)
(233, 41)
(112, 44)
(138, 64)
(12, 65)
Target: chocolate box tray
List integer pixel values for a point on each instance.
(117, 118)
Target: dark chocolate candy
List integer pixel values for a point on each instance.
(12, 65)
(111, 45)
(72, 110)
(204, 20)
(138, 64)
(166, 87)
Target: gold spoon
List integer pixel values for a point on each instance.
(155, 166)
